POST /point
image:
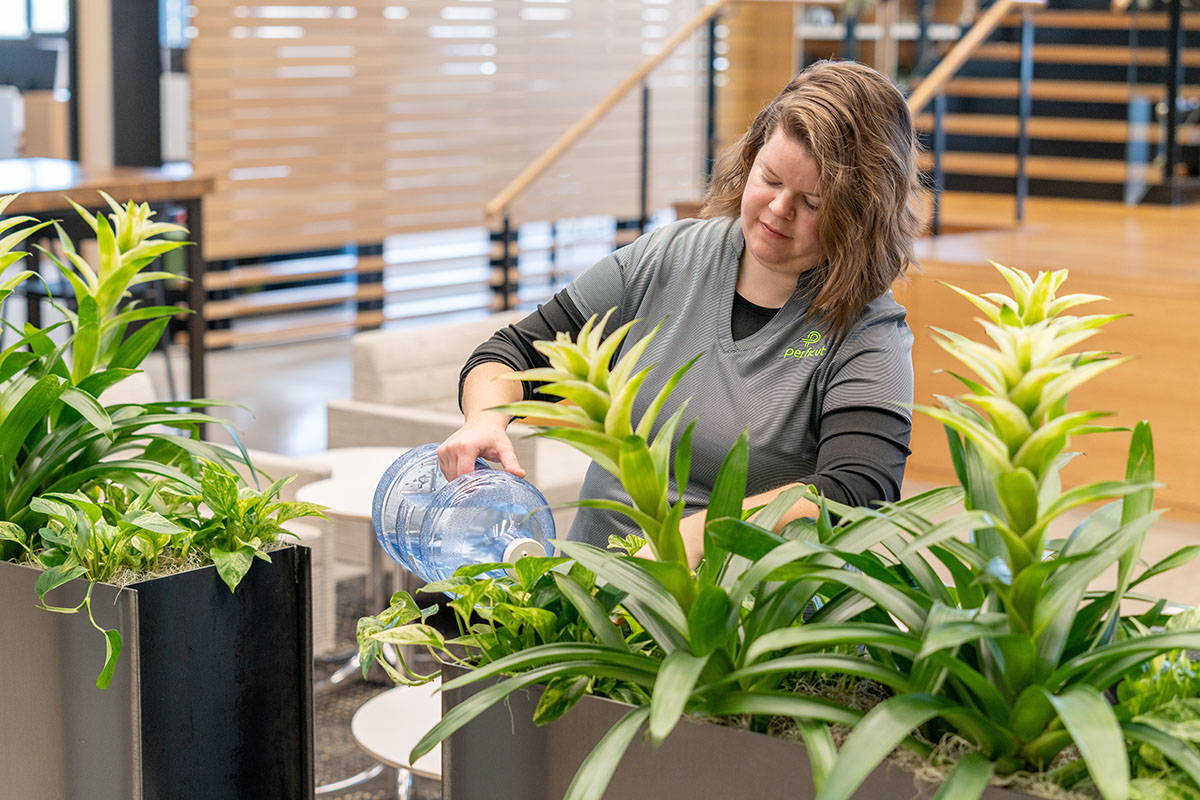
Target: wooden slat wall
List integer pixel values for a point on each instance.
(326, 124)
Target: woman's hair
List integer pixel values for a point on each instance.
(856, 126)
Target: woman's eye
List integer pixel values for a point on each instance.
(809, 205)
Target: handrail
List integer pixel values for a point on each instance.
(934, 83)
(530, 173)
(946, 69)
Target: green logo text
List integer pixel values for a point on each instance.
(809, 350)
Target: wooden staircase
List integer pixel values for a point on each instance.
(1094, 71)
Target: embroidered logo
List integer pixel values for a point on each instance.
(809, 350)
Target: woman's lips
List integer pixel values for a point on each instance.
(771, 232)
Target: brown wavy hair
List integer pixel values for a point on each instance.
(856, 126)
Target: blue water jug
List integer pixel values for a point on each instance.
(432, 527)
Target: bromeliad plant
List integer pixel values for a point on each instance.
(1013, 655)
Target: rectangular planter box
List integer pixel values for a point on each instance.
(502, 755)
(212, 696)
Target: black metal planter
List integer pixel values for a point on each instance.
(212, 696)
(502, 755)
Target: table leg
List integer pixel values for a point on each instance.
(195, 298)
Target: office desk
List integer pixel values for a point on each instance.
(45, 183)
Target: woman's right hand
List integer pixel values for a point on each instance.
(485, 438)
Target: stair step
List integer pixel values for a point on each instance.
(1103, 20)
(1094, 91)
(1069, 129)
(1114, 55)
(1039, 167)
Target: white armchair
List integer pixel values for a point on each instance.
(405, 392)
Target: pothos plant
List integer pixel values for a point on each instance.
(1011, 655)
(89, 488)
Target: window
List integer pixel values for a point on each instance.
(21, 18)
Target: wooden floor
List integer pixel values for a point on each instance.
(1145, 259)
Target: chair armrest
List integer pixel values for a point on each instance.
(355, 423)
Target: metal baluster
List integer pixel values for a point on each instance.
(1024, 109)
(644, 164)
(507, 266)
(710, 111)
(939, 150)
(1173, 82)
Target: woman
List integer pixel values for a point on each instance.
(784, 285)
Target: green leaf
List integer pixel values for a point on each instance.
(86, 340)
(1094, 729)
(624, 573)
(56, 576)
(560, 696)
(880, 731)
(597, 769)
(706, 620)
(1181, 557)
(112, 652)
(1018, 493)
(822, 752)
(602, 625)
(595, 445)
(138, 345)
(530, 570)
(646, 424)
(29, 411)
(153, 521)
(89, 409)
(647, 489)
(676, 680)
(1179, 753)
(232, 565)
(967, 780)
(726, 500)
(412, 634)
(11, 532)
(601, 662)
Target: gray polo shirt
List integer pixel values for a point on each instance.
(775, 383)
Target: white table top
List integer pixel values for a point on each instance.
(389, 724)
(350, 490)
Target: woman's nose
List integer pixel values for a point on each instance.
(781, 205)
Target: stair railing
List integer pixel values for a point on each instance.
(931, 88)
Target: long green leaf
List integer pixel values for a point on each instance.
(597, 769)
(822, 752)
(1179, 753)
(967, 780)
(824, 634)
(780, 704)
(89, 409)
(728, 495)
(883, 729)
(600, 623)
(676, 680)
(1094, 729)
(627, 576)
(487, 697)
(29, 410)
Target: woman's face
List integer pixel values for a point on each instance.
(779, 207)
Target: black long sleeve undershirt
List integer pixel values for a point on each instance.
(861, 452)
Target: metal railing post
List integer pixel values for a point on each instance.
(1024, 109)
(939, 168)
(644, 162)
(507, 266)
(710, 109)
(1173, 82)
